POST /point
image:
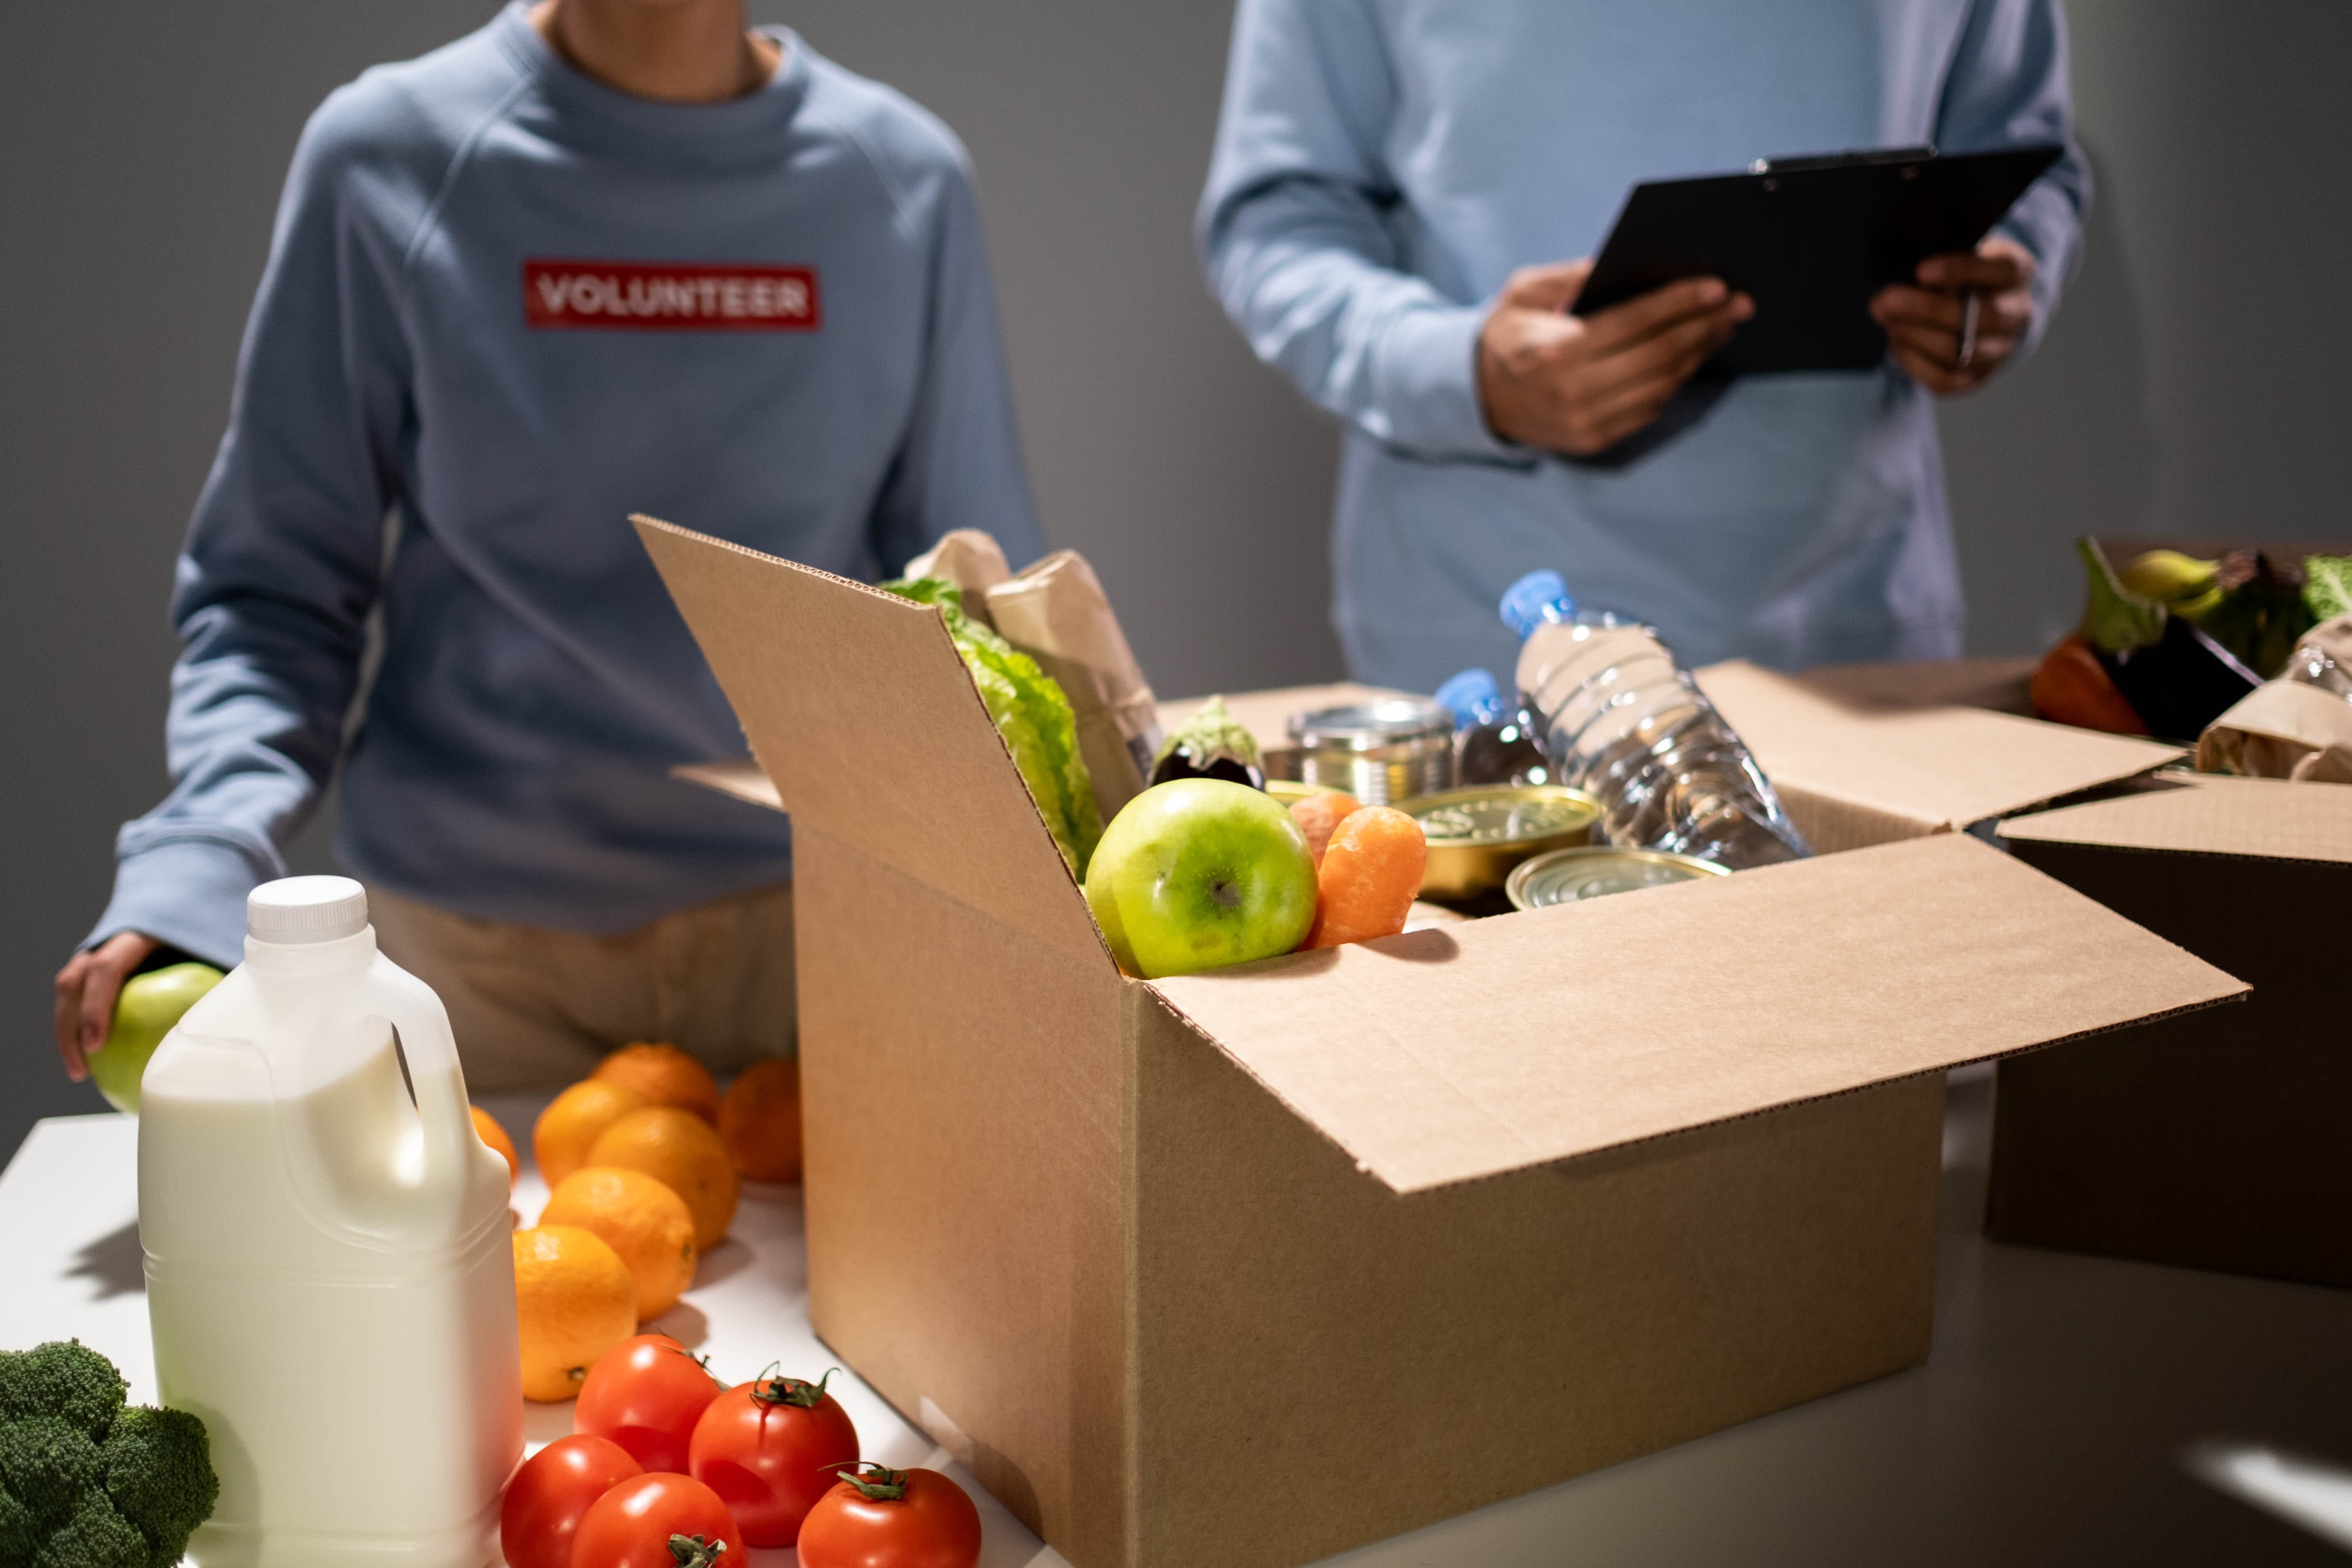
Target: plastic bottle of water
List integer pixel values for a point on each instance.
(1620, 720)
(1494, 741)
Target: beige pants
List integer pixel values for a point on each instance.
(534, 1008)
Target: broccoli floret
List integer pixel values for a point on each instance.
(66, 1379)
(94, 1536)
(18, 1534)
(158, 1473)
(48, 1465)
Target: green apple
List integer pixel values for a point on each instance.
(1198, 873)
(150, 1005)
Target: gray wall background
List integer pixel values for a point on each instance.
(2193, 384)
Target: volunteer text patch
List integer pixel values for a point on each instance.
(669, 296)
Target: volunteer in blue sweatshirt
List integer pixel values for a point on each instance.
(600, 257)
(1398, 194)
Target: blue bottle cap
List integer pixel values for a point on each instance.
(1537, 597)
(1472, 697)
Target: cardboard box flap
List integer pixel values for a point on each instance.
(1447, 1055)
(1941, 765)
(2269, 819)
(859, 707)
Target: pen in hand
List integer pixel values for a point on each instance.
(1968, 329)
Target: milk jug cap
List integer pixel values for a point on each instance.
(1537, 597)
(295, 910)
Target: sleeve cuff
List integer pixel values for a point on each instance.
(1428, 388)
(187, 892)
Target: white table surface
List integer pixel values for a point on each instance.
(2076, 1410)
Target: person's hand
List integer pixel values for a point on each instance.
(87, 987)
(1927, 325)
(1581, 384)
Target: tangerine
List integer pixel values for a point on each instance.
(639, 1218)
(760, 1120)
(665, 1076)
(683, 1152)
(561, 1139)
(574, 1301)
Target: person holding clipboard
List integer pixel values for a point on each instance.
(1404, 206)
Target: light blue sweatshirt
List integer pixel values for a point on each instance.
(1382, 166)
(510, 306)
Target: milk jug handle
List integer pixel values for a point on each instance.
(433, 1076)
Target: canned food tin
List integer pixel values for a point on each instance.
(1572, 876)
(1380, 752)
(1478, 834)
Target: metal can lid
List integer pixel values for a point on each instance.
(1502, 814)
(1365, 726)
(1572, 876)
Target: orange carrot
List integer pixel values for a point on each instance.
(1370, 875)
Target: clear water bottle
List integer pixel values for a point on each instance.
(1622, 721)
(1494, 741)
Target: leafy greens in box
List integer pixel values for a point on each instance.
(1030, 713)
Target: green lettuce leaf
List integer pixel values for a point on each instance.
(1033, 715)
(2328, 586)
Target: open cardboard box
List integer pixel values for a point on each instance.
(1868, 754)
(2217, 1140)
(1204, 1271)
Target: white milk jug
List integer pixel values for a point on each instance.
(329, 1271)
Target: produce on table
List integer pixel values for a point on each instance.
(2260, 612)
(144, 1012)
(769, 1448)
(1318, 814)
(646, 1224)
(646, 1393)
(86, 1483)
(1199, 873)
(891, 1519)
(1031, 714)
(1211, 744)
(2328, 586)
(760, 1120)
(1370, 876)
(665, 1076)
(657, 1521)
(2177, 656)
(574, 1302)
(572, 1123)
(683, 1152)
(552, 1492)
(486, 1128)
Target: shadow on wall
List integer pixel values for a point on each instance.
(2068, 445)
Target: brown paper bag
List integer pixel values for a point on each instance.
(1056, 613)
(970, 559)
(2298, 726)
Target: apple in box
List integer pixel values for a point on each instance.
(1198, 873)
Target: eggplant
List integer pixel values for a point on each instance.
(1211, 744)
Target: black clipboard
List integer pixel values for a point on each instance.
(1811, 240)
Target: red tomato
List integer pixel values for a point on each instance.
(770, 1448)
(554, 1489)
(658, 1522)
(890, 1519)
(646, 1394)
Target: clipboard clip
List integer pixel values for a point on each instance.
(1840, 160)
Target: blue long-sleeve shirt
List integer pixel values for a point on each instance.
(508, 307)
(1382, 166)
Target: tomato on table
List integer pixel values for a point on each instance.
(552, 1492)
(770, 1448)
(890, 1519)
(659, 1521)
(645, 1393)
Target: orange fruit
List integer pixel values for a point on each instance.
(561, 1139)
(760, 1120)
(642, 1220)
(574, 1301)
(665, 1076)
(682, 1151)
(486, 1128)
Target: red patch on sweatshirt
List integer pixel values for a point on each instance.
(669, 296)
